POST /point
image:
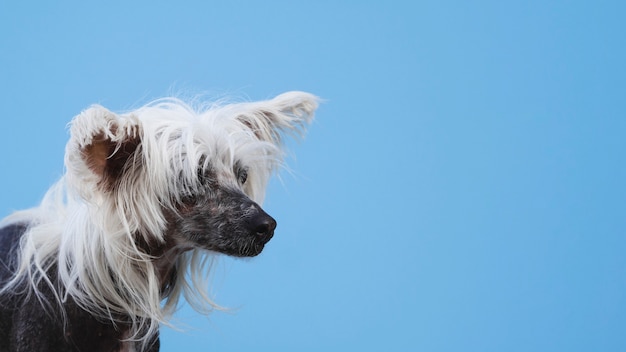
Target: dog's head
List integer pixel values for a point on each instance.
(195, 179)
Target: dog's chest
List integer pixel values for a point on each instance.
(102, 338)
(89, 334)
(125, 345)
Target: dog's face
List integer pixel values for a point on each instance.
(170, 174)
(219, 216)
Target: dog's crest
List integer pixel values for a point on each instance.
(103, 228)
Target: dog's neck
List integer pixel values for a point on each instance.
(165, 266)
(165, 261)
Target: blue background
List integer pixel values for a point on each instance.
(462, 188)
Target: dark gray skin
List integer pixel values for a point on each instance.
(237, 226)
(218, 218)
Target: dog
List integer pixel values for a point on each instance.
(146, 201)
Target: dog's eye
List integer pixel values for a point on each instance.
(202, 171)
(204, 175)
(201, 175)
(242, 176)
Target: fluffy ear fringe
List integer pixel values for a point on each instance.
(286, 113)
(101, 142)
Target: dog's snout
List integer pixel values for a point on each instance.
(262, 225)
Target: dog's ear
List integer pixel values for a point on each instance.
(288, 112)
(102, 146)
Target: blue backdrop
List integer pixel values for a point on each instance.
(462, 188)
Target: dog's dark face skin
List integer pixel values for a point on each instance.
(221, 218)
(216, 216)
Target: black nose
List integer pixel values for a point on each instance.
(262, 225)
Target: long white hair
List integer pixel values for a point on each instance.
(123, 174)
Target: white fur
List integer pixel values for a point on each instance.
(89, 231)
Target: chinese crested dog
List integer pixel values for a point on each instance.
(147, 198)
